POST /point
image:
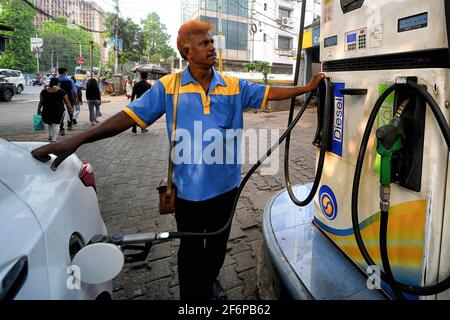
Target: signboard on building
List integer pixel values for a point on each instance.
(80, 60)
(37, 45)
(115, 42)
(219, 42)
(316, 37)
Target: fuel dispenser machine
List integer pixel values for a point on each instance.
(367, 46)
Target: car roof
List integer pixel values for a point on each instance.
(10, 70)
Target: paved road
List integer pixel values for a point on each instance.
(17, 115)
(128, 168)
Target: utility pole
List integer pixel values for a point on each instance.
(219, 13)
(299, 47)
(37, 61)
(37, 57)
(91, 47)
(252, 57)
(116, 53)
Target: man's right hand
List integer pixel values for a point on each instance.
(61, 150)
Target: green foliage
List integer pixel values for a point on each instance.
(133, 38)
(156, 39)
(259, 66)
(17, 54)
(147, 44)
(64, 40)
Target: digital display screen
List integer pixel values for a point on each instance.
(350, 5)
(330, 42)
(351, 38)
(414, 22)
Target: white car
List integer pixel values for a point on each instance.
(46, 217)
(14, 76)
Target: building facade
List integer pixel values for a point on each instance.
(83, 13)
(274, 35)
(234, 18)
(254, 30)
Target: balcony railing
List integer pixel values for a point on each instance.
(286, 52)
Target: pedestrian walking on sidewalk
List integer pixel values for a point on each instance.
(78, 103)
(129, 88)
(139, 89)
(208, 102)
(68, 85)
(94, 101)
(51, 107)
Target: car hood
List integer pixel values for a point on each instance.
(32, 180)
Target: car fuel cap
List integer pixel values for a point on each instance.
(98, 263)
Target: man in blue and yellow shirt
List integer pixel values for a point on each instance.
(208, 102)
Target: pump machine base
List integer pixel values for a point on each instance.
(308, 264)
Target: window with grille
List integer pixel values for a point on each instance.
(284, 13)
(284, 42)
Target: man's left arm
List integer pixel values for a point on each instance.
(282, 93)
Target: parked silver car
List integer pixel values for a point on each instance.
(14, 76)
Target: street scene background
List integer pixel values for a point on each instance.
(111, 40)
(129, 167)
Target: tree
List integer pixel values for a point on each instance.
(259, 66)
(264, 68)
(156, 39)
(64, 41)
(17, 54)
(132, 36)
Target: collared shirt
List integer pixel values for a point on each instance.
(69, 87)
(201, 172)
(70, 84)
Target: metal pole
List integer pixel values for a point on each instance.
(299, 46)
(91, 47)
(116, 62)
(252, 57)
(219, 13)
(37, 61)
(53, 67)
(37, 57)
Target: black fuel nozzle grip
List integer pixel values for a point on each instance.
(141, 255)
(321, 91)
(387, 135)
(138, 244)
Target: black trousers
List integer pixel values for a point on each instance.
(69, 122)
(200, 260)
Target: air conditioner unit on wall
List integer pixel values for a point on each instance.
(285, 21)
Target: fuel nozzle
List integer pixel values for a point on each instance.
(389, 140)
